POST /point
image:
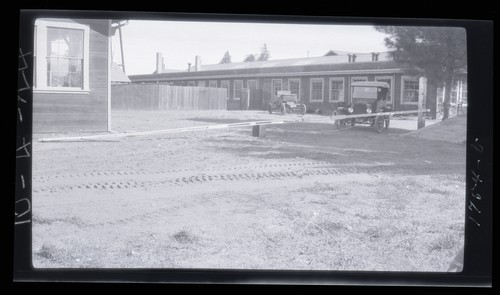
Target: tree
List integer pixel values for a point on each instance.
(226, 59)
(264, 53)
(440, 52)
(249, 58)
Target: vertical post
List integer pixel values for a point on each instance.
(121, 48)
(110, 61)
(422, 93)
(259, 131)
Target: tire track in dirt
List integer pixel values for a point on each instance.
(45, 178)
(245, 176)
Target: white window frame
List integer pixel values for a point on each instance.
(41, 54)
(322, 89)
(191, 84)
(330, 88)
(294, 80)
(234, 88)
(201, 82)
(377, 78)
(228, 86)
(403, 78)
(212, 82)
(272, 86)
(365, 78)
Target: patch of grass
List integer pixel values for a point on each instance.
(46, 252)
(184, 237)
(437, 191)
(444, 242)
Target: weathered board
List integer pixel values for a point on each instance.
(166, 97)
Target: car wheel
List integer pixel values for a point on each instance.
(303, 109)
(353, 122)
(283, 109)
(379, 124)
(270, 108)
(340, 124)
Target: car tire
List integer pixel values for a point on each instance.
(283, 109)
(270, 108)
(303, 109)
(379, 124)
(340, 124)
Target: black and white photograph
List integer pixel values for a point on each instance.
(216, 144)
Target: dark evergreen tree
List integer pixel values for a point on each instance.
(440, 52)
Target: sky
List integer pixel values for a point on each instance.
(180, 41)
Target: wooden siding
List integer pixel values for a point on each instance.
(79, 112)
(264, 85)
(165, 97)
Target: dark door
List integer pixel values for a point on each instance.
(255, 100)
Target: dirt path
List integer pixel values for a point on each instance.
(304, 197)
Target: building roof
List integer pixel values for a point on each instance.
(305, 61)
(280, 67)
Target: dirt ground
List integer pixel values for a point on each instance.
(306, 196)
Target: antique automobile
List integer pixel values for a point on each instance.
(287, 103)
(367, 98)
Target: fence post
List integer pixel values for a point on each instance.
(259, 131)
(422, 93)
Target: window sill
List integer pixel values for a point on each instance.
(62, 91)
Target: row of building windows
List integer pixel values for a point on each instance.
(336, 86)
(409, 92)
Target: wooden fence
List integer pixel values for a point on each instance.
(165, 97)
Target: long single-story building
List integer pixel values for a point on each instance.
(320, 82)
(72, 74)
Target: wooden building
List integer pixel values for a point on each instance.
(321, 82)
(72, 75)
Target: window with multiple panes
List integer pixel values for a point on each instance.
(64, 57)
(409, 90)
(294, 86)
(276, 84)
(225, 84)
(190, 83)
(336, 89)
(201, 83)
(459, 91)
(212, 83)
(316, 89)
(388, 80)
(238, 86)
(61, 60)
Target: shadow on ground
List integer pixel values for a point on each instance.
(360, 144)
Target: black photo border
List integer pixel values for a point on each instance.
(477, 270)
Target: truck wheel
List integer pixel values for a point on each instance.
(270, 108)
(379, 124)
(283, 109)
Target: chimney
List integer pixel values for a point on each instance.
(159, 63)
(374, 56)
(197, 63)
(189, 67)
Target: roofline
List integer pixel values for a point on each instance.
(148, 78)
